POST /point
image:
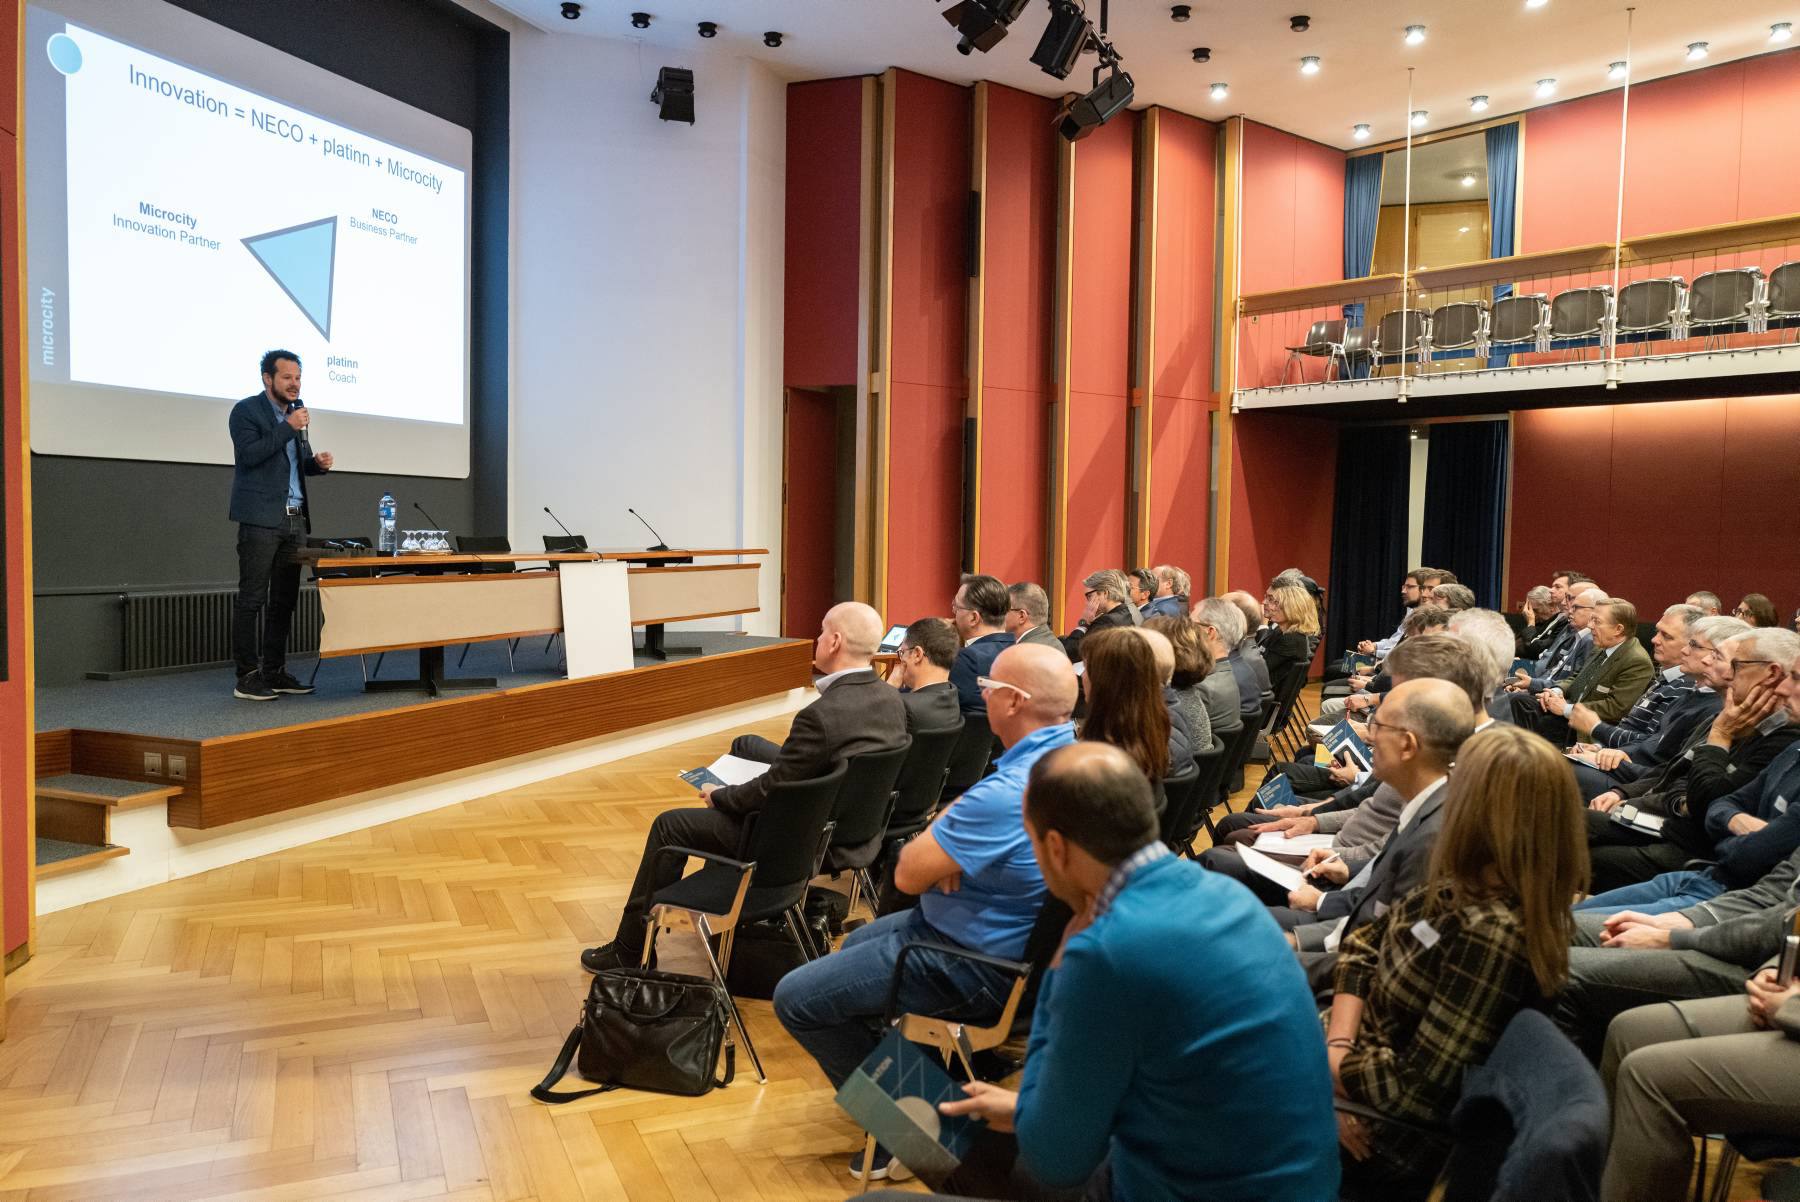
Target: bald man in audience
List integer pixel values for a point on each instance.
(855, 713)
(978, 885)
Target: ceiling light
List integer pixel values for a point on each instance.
(1309, 65)
(772, 39)
(1360, 132)
(640, 20)
(1202, 54)
(1696, 51)
(1468, 181)
(1179, 12)
(1462, 229)
(1219, 91)
(1300, 24)
(1617, 70)
(1478, 104)
(982, 23)
(1419, 117)
(1546, 87)
(1536, 3)
(1060, 48)
(1415, 34)
(1781, 31)
(1086, 114)
(571, 11)
(709, 29)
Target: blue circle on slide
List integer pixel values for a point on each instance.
(65, 53)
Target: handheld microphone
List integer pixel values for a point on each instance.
(559, 522)
(299, 404)
(428, 517)
(660, 544)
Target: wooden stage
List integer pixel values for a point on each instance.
(235, 774)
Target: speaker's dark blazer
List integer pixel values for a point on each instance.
(259, 486)
(858, 713)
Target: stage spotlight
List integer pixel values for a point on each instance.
(674, 94)
(640, 20)
(1060, 48)
(570, 10)
(772, 40)
(982, 23)
(1088, 113)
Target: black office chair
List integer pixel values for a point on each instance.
(558, 544)
(969, 761)
(1180, 799)
(784, 842)
(865, 802)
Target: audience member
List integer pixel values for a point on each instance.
(1539, 611)
(1218, 687)
(979, 611)
(1222, 625)
(1295, 620)
(1708, 603)
(978, 886)
(854, 713)
(1672, 683)
(1486, 630)
(1105, 593)
(1453, 597)
(1192, 663)
(1126, 707)
(1558, 624)
(1678, 1071)
(1412, 593)
(1746, 736)
(1569, 649)
(1613, 675)
(1140, 587)
(1129, 1059)
(1028, 615)
(1171, 598)
(1757, 610)
(921, 672)
(1424, 992)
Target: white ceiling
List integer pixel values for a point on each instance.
(1494, 47)
(1438, 171)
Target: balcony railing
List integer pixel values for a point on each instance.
(1689, 294)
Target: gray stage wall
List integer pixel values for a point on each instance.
(101, 527)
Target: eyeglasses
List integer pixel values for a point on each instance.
(1742, 611)
(1579, 608)
(988, 684)
(1706, 653)
(1745, 663)
(1373, 723)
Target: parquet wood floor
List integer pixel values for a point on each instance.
(362, 1017)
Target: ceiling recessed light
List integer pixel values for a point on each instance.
(1419, 117)
(1536, 3)
(709, 29)
(1696, 51)
(1300, 24)
(772, 39)
(1202, 54)
(1415, 34)
(1219, 91)
(1462, 229)
(1360, 132)
(1546, 87)
(1309, 65)
(1180, 12)
(1468, 180)
(640, 20)
(1617, 70)
(1781, 31)
(1478, 104)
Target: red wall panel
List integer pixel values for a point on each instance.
(1101, 245)
(1293, 210)
(928, 325)
(1698, 153)
(1018, 299)
(1283, 473)
(823, 227)
(1656, 500)
(1182, 374)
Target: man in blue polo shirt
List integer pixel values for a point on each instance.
(978, 886)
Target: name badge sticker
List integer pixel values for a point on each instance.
(1781, 804)
(1425, 933)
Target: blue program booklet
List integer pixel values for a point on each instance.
(1276, 791)
(894, 1096)
(1526, 666)
(1342, 742)
(1360, 663)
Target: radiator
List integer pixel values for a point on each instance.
(178, 630)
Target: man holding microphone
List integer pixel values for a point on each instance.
(272, 459)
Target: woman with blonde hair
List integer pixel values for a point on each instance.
(1424, 991)
(1291, 610)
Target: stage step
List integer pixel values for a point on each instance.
(104, 790)
(55, 857)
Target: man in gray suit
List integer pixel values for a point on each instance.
(855, 713)
(922, 674)
(1028, 615)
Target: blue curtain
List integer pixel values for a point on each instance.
(1503, 193)
(1368, 535)
(1362, 206)
(1465, 505)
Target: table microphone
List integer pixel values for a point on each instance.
(428, 517)
(559, 522)
(660, 544)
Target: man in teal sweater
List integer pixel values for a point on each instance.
(1172, 1002)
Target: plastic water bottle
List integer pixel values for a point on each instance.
(386, 541)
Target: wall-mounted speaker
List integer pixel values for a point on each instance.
(674, 94)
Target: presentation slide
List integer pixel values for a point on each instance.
(181, 223)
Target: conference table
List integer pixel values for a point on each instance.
(430, 601)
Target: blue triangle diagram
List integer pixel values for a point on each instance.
(302, 259)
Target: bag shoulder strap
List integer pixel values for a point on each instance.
(542, 1091)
